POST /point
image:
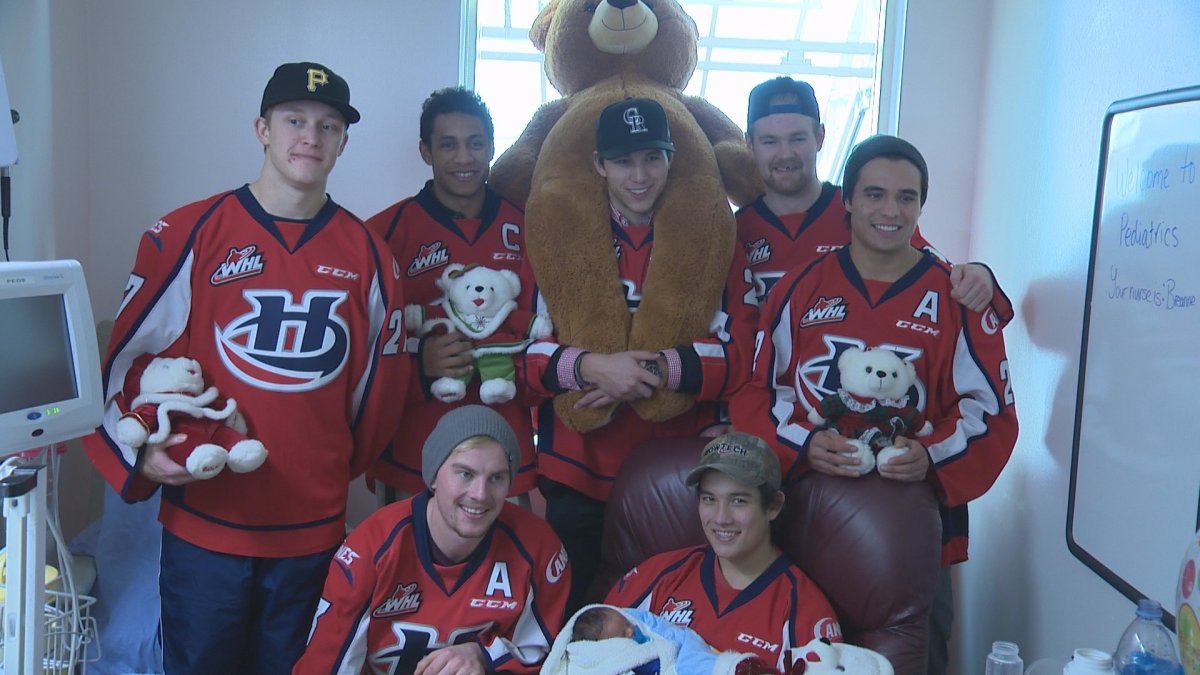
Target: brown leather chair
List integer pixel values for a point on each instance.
(873, 545)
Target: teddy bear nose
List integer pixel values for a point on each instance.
(880, 374)
(479, 289)
(622, 4)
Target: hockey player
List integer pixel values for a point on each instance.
(881, 291)
(739, 592)
(455, 218)
(452, 580)
(633, 154)
(799, 217)
(286, 300)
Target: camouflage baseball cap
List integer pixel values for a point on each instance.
(743, 457)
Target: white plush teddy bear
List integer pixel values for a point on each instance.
(872, 406)
(172, 399)
(822, 656)
(480, 302)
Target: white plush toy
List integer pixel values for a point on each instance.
(872, 406)
(172, 399)
(822, 656)
(480, 302)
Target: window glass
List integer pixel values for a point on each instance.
(835, 45)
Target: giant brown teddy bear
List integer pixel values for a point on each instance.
(597, 53)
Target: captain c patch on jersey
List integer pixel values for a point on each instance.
(239, 263)
(824, 310)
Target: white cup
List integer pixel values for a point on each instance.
(1088, 661)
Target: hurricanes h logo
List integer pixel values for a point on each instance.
(637, 123)
(280, 345)
(317, 78)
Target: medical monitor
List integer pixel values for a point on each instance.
(49, 361)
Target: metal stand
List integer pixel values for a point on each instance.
(25, 586)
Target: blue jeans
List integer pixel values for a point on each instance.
(233, 614)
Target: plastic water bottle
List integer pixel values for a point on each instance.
(1146, 647)
(1004, 660)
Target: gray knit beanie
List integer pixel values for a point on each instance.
(460, 424)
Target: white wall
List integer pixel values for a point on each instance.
(1049, 72)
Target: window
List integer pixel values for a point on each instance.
(847, 49)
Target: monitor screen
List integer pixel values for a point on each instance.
(49, 363)
(43, 365)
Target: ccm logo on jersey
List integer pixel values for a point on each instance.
(240, 263)
(828, 628)
(824, 310)
(430, 256)
(678, 612)
(557, 566)
(758, 642)
(485, 603)
(337, 273)
(918, 327)
(406, 599)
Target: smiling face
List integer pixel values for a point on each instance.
(635, 181)
(736, 524)
(303, 140)
(468, 493)
(785, 147)
(884, 208)
(459, 151)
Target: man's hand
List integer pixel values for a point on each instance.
(825, 454)
(464, 659)
(621, 376)
(909, 467)
(971, 284)
(594, 398)
(446, 355)
(159, 467)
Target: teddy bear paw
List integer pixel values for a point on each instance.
(448, 390)
(542, 327)
(888, 454)
(206, 461)
(866, 458)
(131, 432)
(246, 456)
(496, 391)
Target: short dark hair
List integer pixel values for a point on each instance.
(888, 147)
(454, 100)
(590, 624)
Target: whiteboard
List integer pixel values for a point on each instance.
(1135, 466)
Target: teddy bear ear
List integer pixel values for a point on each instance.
(514, 282)
(454, 271)
(541, 26)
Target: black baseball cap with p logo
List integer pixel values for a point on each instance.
(632, 124)
(310, 82)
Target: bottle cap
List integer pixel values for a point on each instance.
(1149, 609)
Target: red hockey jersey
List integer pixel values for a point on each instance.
(425, 236)
(774, 244)
(713, 368)
(781, 609)
(387, 604)
(964, 389)
(301, 323)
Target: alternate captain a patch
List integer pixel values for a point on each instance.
(239, 263)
